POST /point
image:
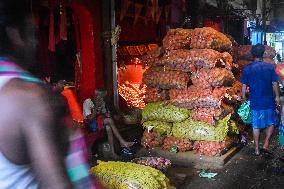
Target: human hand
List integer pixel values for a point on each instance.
(93, 115)
(90, 118)
(77, 124)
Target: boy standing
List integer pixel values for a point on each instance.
(262, 81)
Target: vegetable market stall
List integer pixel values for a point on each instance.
(192, 95)
(130, 87)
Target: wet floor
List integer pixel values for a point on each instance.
(244, 171)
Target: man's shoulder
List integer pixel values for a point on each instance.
(267, 67)
(247, 67)
(259, 64)
(25, 98)
(270, 66)
(24, 89)
(88, 102)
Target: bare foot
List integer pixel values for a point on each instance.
(265, 146)
(127, 144)
(257, 152)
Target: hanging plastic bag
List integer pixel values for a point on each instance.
(245, 112)
(281, 128)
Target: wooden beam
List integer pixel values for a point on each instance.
(107, 50)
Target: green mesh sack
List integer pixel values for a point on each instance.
(161, 111)
(161, 127)
(198, 130)
(245, 113)
(127, 175)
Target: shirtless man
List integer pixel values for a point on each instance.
(31, 141)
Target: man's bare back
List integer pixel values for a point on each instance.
(30, 131)
(30, 116)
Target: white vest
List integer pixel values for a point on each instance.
(14, 176)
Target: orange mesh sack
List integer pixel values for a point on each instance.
(177, 39)
(208, 38)
(165, 79)
(183, 145)
(195, 97)
(215, 77)
(155, 94)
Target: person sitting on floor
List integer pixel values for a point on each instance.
(95, 113)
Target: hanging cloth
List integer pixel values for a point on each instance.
(75, 22)
(51, 43)
(63, 22)
(74, 106)
(78, 63)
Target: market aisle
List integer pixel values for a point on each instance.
(244, 171)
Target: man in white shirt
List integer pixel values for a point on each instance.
(93, 109)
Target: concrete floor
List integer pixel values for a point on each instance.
(243, 171)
